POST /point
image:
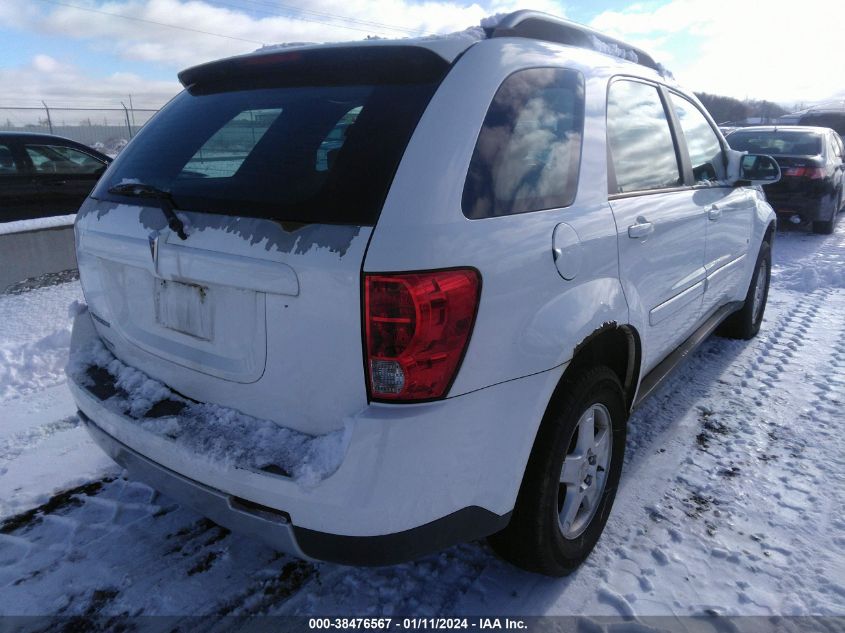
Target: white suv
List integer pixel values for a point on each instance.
(366, 301)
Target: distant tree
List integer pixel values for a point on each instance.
(723, 109)
(727, 109)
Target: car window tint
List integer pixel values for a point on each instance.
(777, 142)
(639, 139)
(57, 159)
(705, 150)
(7, 161)
(223, 154)
(255, 149)
(528, 152)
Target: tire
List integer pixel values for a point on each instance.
(745, 323)
(535, 539)
(823, 227)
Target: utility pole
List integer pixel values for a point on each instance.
(49, 120)
(128, 125)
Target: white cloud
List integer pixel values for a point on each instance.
(136, 36)
(61, 84)
(743, 49)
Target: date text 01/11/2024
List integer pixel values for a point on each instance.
(415, 623)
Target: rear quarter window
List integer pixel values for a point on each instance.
(528, 152)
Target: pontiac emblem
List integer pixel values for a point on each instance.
(153, 240)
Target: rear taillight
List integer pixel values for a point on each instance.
(813, 173)
(417, 326)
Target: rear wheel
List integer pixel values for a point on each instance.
(823, 227)
(571, 479)
(745, 323)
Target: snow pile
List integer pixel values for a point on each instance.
(32, 366)
(34, 339)
(223, 436)
(21, 226)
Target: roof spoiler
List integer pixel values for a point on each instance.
(393, 63)
(542, 26)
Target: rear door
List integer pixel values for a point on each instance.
(661, 231)
(19, 199)
(65, 175)
(728, 209)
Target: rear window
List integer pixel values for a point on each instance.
(305, 153)
(529, 148)
(777, 142)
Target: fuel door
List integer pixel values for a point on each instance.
(566, 250)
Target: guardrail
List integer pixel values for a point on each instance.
(32, 248)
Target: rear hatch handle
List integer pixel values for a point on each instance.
(165, 200)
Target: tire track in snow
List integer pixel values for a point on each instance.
(13, 447)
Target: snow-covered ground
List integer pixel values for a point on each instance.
(732, 500)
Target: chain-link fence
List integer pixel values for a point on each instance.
(104, 129)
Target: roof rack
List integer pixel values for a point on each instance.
(542, 26)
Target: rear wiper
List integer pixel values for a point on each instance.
(140, 190)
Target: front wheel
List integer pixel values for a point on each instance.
(745, 323)
(571, 478)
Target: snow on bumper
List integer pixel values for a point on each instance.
(396, 469)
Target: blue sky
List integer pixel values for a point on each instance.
(72, 51)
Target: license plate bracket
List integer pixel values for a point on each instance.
(184, 308)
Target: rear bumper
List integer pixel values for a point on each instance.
(274, 527)
(810, 207)
(414, 478)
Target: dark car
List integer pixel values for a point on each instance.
(813, 173)
(43, 175)
(831, 117)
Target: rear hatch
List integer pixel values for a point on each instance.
(277, 166)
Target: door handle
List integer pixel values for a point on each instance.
(714, 213)
(640, 229)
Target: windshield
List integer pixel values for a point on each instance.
(294, 153)
(777, 142)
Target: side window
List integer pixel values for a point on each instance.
(224, 153)
(639, 138)
(57, 159)
(705, 151)
(529, 149)
(835, 147)
(7, 161)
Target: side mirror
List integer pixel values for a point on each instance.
(758, 169)
(751, 169)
